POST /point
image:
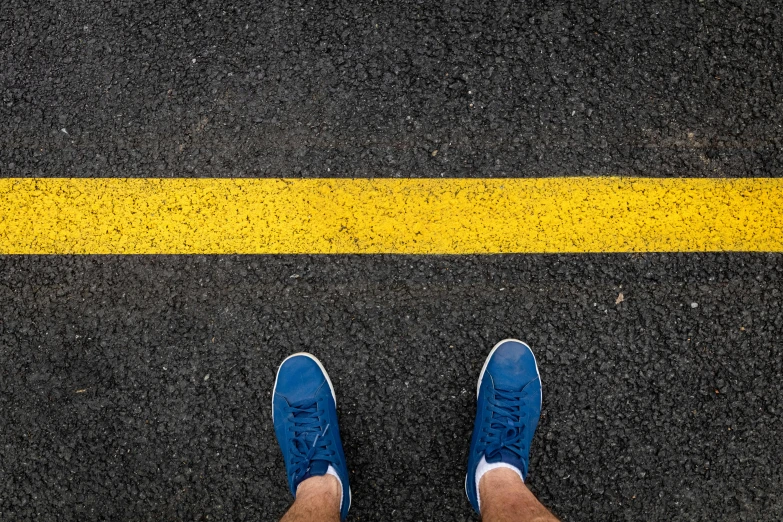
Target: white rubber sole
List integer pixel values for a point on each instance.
(481, 378)
(331, 388)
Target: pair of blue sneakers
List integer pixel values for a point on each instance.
(509, 404)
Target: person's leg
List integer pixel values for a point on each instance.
(508, 408)
(505, 498)
(317, 500)
(304, 413)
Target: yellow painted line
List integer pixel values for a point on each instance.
(406, 216)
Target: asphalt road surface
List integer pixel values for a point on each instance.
(139, 387)
(218, 88)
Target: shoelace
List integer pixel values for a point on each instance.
(507, 424)
(309, 442)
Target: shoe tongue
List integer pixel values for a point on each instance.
(317, 468)
(507, 457)
(504, 455)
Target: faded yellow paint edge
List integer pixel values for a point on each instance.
(401, 216)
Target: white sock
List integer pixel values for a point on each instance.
(485, 466)
(331, 471)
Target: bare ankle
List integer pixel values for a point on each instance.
(317, 500)
(324, 487)
(500, 478)
(505, 498)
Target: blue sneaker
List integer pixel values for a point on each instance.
(509, 405)
(305, 417)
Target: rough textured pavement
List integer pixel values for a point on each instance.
(498, 88)
(138, 388)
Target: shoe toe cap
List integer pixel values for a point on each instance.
(512, 365)
(300, 377)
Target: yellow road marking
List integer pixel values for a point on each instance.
(406, 216)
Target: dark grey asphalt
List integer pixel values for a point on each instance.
(139, 388)
(332, 88)
(653, 409)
